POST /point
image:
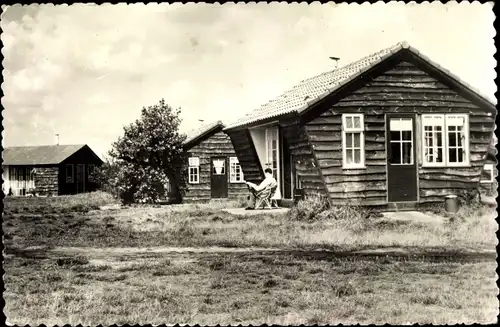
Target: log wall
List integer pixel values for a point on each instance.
(47, 181)
(219, 144)
(305, 164)
(247, 156)
(402, 89)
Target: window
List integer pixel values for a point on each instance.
(91, 172)
(445, 140)
(272, 148)
(235, 172)
(194, 170)
(70, 178)
(219, 166)
(433, 139)
(353, 141)
(401, 141)
(487, 175)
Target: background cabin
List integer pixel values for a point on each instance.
(48, 170)
(392, 129)
(214, 171)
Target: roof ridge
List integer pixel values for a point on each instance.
(285, 95)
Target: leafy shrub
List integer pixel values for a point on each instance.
(308, 209)
(316, 208)
(150, 156)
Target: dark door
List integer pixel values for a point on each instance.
(401, 159)
(80, 178)
(286, 168)
(218, 177)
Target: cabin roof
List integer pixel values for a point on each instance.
(39, 155)
(201, 131)
(311, 90)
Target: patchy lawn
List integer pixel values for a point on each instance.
(100, 282)
(211, 289)
(207, 225)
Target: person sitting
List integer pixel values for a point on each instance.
(256, 190)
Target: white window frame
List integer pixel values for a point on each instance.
(491, 168)
(442, 117)
(444, 127)
(465, 142)
(233, 176)
(194, 170)
(361, 131)
(72, 178)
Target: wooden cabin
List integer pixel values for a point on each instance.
(393, 128)
(48, 170)
(214, 171)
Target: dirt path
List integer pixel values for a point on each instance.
(318, 254)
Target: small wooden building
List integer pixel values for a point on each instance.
(393, 128)
(48, 170)
(214, 171)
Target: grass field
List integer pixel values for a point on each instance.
(111, 284)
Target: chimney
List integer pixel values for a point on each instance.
(201, 121)
(336, 61)
(57, 139)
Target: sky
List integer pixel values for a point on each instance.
(85, 71)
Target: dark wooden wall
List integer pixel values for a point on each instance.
(247, 156)
(404, 88)
(83, 156)
(306, 165)
(219, 144)
(46, 180)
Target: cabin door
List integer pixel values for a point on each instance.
(80, 178)
(218, 177)
(272, 154)
(401, 161)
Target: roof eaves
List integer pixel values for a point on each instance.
(259, 118)
(209, 128)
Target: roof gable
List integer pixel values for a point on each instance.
(201, 132)
(39, 155)
(303, 96)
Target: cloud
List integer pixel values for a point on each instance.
(85, 71)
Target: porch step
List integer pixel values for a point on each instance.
(402, 206)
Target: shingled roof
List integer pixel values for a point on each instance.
(311, 90)
(38, 155)
(199, 132)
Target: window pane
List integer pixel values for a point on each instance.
(460, 154)
(407, 153)
(452, 155)
(439, 155)
(357, 156)
(460, 137)
(395, 135)
(452, 139)
(348, 156)
(357, 140)
(395, 153)
(406, 135)
(348, 122)
(357, 122)
(439, 138)
(348, 140)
